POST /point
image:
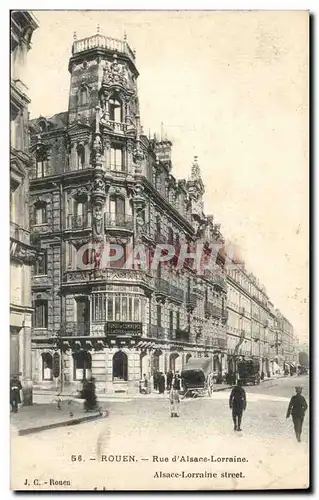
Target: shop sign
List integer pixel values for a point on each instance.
(120, 328)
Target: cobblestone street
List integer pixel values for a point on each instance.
(143, 429)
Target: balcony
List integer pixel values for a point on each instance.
(133, 276)
(77, 222)
(162, 286)
(219, 342)
(198, 291)
(176, 293)
(182, 335)
(75, 329)
(116, 127)
(103, 42)
(212, 311)
(118, 221)
(191, 301)
(219, 281)
(40, 333)
(19, 233)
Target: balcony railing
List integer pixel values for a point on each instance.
(162, 286)
(75, 329)
(218, 342)
(112, 274)
(182, 335)
(212, 311)
(219, 281)
(19, 233)
(120, 221)
(176, 293)
(77, 221)
(157, 332)
(117, 127)
(191, 300)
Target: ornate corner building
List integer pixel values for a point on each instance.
(22, 252)
(98, 179)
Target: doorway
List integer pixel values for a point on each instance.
(120, 366)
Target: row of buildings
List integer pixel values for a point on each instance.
(90, 177)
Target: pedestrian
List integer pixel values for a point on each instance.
(161, 383)
(237, 403)
(15, 388)
(169, 379)
(174, 395)
(297, 409)
(155, 380)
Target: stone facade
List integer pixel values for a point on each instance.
(22, 253)
(98, 180)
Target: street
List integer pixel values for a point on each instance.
(138, 443)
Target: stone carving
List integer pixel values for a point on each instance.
(98, 219)
(115, 74)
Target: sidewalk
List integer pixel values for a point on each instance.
(40, 417)
(49, 396)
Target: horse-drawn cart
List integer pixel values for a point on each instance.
(197, 378)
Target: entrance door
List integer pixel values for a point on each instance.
(83, 316)
(14, 351)
(120, 366)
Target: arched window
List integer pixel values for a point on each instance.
(120, 366)
(83, 96)
(80, 153)
(47, 366)
(115, 110)
(82, 365)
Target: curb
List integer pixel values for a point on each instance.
(63, 423)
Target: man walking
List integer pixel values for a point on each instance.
(174, 395)
(15, 388)
(237, 403)
(297, 409)
(169, 379)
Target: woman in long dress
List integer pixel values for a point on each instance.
(174, 396)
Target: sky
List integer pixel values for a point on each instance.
(232, 88)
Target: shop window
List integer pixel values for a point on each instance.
(47, 366)
(41, 314)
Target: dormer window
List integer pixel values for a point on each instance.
(115, 110)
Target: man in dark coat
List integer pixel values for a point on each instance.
(297, 409)
(237, 403)
(161, 383)
(169, 378)
(15, 388)
(155, 380)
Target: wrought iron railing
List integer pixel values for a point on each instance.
(123, 221)
(77, 221)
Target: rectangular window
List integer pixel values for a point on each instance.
(41, 215)
(117, 308)
(41, 314)
(136, 309)
(110, 308)
(124, 309)
(116, 159)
